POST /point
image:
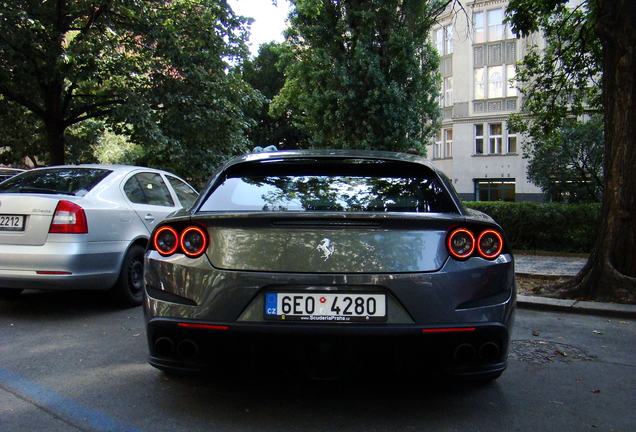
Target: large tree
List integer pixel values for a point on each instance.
(156, 71)
(610, 273)
(363, 73)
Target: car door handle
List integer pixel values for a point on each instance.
(149, 218)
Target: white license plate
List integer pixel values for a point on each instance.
(11, 223)
(325, 307)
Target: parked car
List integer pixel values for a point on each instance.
(330, 263)
(83, 227)
(6, 173)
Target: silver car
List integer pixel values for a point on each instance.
(6, 173)
(83, 227)
(330, 264)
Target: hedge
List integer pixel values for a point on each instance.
(552, 227)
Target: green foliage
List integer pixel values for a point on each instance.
(266, 74)
(560, 83)
(561, 80)
(570, 167)
(362, 74)
(158, 72)
(550, 227)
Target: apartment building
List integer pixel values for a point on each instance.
(474, 147)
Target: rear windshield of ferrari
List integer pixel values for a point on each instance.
(331, 190)
(66, 181)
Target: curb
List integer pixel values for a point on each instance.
(576, 306)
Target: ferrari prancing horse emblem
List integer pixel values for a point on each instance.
(327, 248)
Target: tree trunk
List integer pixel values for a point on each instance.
(55, 137)
(610, 274)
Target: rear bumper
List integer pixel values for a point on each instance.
(328, 351)
(80, 265)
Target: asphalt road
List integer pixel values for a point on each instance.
(70, 363)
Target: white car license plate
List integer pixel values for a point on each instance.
(11, 223)
(325, 307)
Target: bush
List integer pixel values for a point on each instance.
(549, 227)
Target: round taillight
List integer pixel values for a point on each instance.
(193, 241)
(166, 240)
(490, 244)
(461, 243)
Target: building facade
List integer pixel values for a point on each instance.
(474, 147)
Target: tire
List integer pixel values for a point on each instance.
(129, 289)
(9, 293)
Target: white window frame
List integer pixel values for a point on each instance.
(448, 91)
(495, 140)
(448, 143)
(479, 139)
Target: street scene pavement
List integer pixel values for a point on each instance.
(70, 363)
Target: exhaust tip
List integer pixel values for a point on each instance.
(489, 352)
(465, 354)
(187, 349)
(164, 347)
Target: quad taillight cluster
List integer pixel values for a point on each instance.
(463, 243)
(191, 241)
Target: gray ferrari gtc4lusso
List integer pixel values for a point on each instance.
(331, 264)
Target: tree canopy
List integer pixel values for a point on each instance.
(362, 74)
(157, 72)
(561, 83)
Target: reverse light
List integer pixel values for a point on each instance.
(69, 218)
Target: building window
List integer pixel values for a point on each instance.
(448, 91)
(490, 139)
(438, 35)
(437, 146)
(448, 38)
(444, 40)
(495, 190)
(511, 73)
(489, 82)
(448, 143)
(512, 142)
(493, 21)
(479, 139)
(495, 138)
(495, 24)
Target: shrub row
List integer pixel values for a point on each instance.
(552, 227)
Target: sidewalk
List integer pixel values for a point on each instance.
(545, 265)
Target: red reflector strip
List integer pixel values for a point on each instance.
(449, 330)
(203, 326)
(53, 273)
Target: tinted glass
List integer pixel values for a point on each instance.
(67, 181)
(148, 188)
(187, 196)
(362, 189)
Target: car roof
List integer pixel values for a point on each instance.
(111, 167)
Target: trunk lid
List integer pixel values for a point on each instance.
(328, 244)
(33, 213)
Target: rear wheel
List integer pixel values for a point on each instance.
(9, 293)
(128, 290)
